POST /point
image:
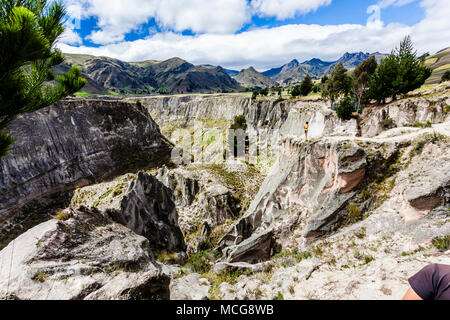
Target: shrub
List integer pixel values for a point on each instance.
(63, 216)
(306, 86)
(345, 109)
(239, 123)
(446, 76)
(200, 261)
(442, 244)
(264, 92)
(296, 91)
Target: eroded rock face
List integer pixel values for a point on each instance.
(140, 202)
(73, 144)
(87, 256)
(148, 209)
(404, 113)
(199, 197)
(310, 184)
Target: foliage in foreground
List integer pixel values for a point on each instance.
(28, 32)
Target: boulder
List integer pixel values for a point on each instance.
(190, 287)
(255, 249)
(85, 255)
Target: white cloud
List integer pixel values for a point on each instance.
(271, 47)
(283, 9)
(70, 37)
(397, 3)
(117, 18)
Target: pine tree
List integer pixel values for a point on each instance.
(398, 74)
(412, 72)
(381, 83)
(28, 32)
(306, 86)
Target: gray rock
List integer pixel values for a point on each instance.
(87, 256)
(73, 144)
(231, 267)
(148, 209)
(405, 112)
(310, 184)
(190, 287)
(255, 249)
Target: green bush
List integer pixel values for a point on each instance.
(239, 123)
(446, 76)
(345, 109)
(442, 244)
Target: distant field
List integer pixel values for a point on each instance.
(440, 63)
(82, 94)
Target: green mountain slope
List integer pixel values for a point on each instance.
(175, 75)
(439, 63)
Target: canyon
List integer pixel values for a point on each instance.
(95, 203)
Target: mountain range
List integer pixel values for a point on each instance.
(294, 72)
(176, 76)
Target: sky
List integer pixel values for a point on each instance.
(237, 34)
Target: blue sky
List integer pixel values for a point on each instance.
(240, 33)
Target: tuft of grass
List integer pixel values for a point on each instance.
(354, 213)
(365, 195)
(107, 193)
(361, 234)
(446, 109)
(200, 262)
(368, 259)
(442, 244)
(317, 251)
(63, 216)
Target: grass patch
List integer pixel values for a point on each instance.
(299, 256)
(444, 67)
(442, 244)
(354, 213)
(200, 262)
(82, 94)
(107, 193)
(427, 124)
(387, 123)
(216, 279)
(63, 216)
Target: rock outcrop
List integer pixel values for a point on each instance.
(199, 197)
(141, 203)
(84, 255)
(310, 184)
(404, 113)
(74, 144)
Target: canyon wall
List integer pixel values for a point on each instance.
(73, 144)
